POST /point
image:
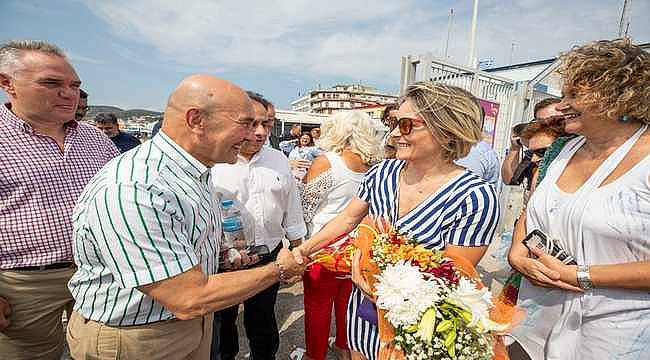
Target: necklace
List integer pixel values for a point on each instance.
(425, 182)
(420, 185)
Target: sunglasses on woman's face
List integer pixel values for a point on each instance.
(539, 152)
(407, 124)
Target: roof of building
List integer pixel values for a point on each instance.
(522, 65)
(645, 46)
(366, 87)
(372, 106)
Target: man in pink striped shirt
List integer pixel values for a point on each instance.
(46, 159)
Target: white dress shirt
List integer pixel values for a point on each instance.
(264, 191)
(483, 161)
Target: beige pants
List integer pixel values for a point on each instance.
(38, 299)
(172, 339)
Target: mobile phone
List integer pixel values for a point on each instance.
(537, 239)
(262, 251)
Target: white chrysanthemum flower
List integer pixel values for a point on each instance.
(396, 283)
(405, 293)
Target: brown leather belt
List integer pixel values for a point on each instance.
(61, 265)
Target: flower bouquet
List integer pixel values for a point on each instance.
(337, 255)
(431, 304)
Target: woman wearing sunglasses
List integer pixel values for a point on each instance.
(539, 135)
(422, 191)
(594, 201)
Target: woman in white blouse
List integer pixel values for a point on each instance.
(595, 201)
(351, 144)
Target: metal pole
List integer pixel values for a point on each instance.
(624, 23)
(512, 51)
(451, 19)
(472, 38)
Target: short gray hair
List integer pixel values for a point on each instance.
(11, 53)
(353, 130)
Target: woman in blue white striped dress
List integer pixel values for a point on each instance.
(422, 190)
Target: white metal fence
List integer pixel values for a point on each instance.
(481, 84)
(516, 102)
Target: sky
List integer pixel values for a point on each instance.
(132, 53)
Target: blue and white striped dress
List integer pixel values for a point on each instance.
(463, 212)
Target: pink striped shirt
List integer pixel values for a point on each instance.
(39, 185)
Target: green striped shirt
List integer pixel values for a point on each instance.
(148, 215)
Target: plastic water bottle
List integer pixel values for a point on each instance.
(501, 253)
(233, 227)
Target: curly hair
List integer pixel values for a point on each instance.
(544, 103)
(537, 127)
(452, 114)
(353, 130)
(612, 75)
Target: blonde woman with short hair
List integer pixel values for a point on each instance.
(351, 144)
(422, 191)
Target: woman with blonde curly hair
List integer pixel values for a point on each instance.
(595, 201)
(422, 191)
(351, 144)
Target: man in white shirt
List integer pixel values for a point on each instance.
(483, 161)
(262, 185)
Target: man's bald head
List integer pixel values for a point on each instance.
(205, 93)
(208, 116)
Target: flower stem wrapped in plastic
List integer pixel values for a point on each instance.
(337, 255)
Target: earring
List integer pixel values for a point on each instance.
(624, 119)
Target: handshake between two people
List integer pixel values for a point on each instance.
(290, 265)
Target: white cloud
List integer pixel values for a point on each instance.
(81, 58)
(359, 39)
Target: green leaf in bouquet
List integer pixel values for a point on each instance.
(411, 328)
(466, 316)
(444, 325)
(450, 342)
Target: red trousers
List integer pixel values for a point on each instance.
(322, 290)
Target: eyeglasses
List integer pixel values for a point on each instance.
(405, 124)
(539, 152)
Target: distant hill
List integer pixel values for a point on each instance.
(93, 110)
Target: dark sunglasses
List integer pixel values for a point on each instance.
(539, 152)
(405, 124)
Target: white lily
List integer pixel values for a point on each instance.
(477, 301)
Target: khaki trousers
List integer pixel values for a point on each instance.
(38, 299)
(171, 339)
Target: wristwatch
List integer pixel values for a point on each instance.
(584, 279)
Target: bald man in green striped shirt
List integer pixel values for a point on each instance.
(147, 232)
